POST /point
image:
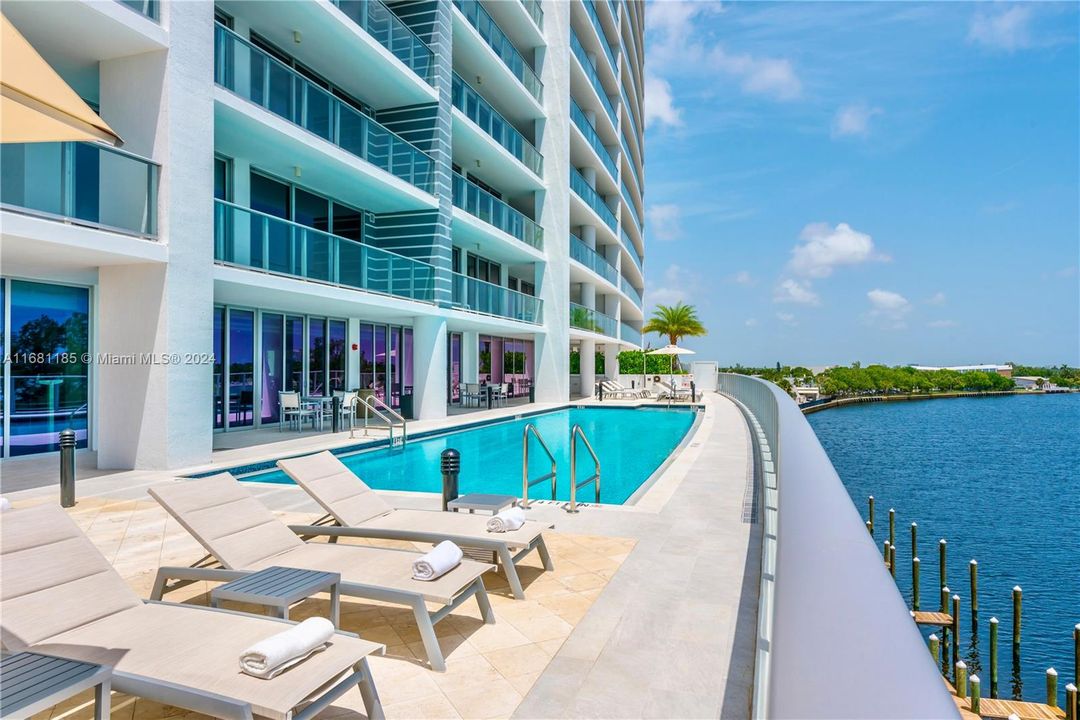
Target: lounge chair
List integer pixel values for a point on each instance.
(62, 598)
(668, 392)
(616, 389)
(360, 512)
(244, 536)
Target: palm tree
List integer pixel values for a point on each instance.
(676, 321)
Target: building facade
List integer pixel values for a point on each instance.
(317, 195)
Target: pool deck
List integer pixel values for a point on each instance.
(667, 630)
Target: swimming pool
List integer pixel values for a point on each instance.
(630, 442)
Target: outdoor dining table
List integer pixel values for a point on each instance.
(324, 403)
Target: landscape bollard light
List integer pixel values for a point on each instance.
(67, 468)
(450, 464)
(335, 414)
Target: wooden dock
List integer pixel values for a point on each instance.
(1001, 709)
(923, 617)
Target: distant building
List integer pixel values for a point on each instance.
(1002, 370)
(1032, 382)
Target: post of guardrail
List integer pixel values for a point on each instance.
(976, 693)
(915, 583)
(993, 657)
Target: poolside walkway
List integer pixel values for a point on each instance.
(651, 611)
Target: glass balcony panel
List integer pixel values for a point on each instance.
(149, 8)
(630, 114)
(591, 320)
(592, 198)
(629, 334)
(629, 245)
(483, 297)
(594, 79)
(490, 121)
(593, 260)
(630, 204)
(389, 31)
(89, 183)
(480, 203)
(590, 7)
(535, 11)
(252, 239)
(630, 290)
(279, 89)
(583, 124)
(493, 35)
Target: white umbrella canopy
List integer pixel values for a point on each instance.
(672, 351)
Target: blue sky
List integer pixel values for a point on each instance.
(881, 182)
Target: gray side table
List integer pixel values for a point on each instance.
(30, 683)
(482, 501)
(279, 587)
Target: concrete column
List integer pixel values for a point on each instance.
(589, 173)
(588, 235)
(588, 367)
(611, 360)
(352, 364)
(588, 295)
(470, 356)
(159, 415)
(429, 367)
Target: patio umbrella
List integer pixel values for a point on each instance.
(672, 351)
(35, 103)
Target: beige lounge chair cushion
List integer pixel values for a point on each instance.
(456, 526)
(52, 578)
(226, 519)
(379, 568)
(341, 493)
(200, 648)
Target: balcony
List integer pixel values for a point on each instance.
(630, 204)
(590, 73)
(630, 290)
(82, 183)
(478, 202)
(593, 260)
(481, 112)
(592, 198)
(630, 335)
(390, 32)
(496, 39)
(630, 114)
(590, 9)
(590, 320)
(477, 296)
(535, 12)
(257, 241)
(630, 159)
(629, 245)
(149, 8)
(255, 76)
(586, 128)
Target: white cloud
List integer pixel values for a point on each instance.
(677, 285)
(772, 77)
(937, 298)
(795, 291)
(751, 322)
(888, 308)
(787, 319)
(854, 120)
(659, 105)
(940, 324)
(823, 248)
(743, 277)
(664, 220)
(1008, 30)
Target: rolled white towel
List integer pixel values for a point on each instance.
(507, 520)
(5, 504)
(443, 558)
(268, 658)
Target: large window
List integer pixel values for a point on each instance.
(507, 360)
(46, 332)
(386, 361)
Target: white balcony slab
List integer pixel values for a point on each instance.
(491, 242)
(497, 167)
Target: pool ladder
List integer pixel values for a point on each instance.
(576, 433)
(375, 406)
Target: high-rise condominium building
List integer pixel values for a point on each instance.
(317, 195)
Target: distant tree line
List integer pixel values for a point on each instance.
(874, 379)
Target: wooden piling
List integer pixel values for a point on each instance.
(993, 657)
(935, 648)
(1017, 598)
(944, 599)
(941, 562)
(914, 539)
(973, 571)
(892, 560)
(870, 522)
(960, 675)
(915, 583)
(1070, 702)
(945, 633)
(885, 551)
(892, 527)
(955, 626)
(1076, 657)
(976, 693)
(1051, 687)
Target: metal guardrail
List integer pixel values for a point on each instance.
(834, 638)
(576, 433)
(384, 412)
(526, 483)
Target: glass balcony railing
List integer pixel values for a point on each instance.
(614, 5)
(483, 297)
(629, 245)
(629, 158)
(590, 7)
(594, 79)
(630, 114)
(149, 8)
(630, 335)
(253, 75)
(592, 259)
(490, 121)
(630, 290)
(583, 124)
(496, 39)
(630, 204)
(478, 202)
(84, 183)
(584, 318)
(255, 240)
(535, 12)
(390, 32)
(592, 198)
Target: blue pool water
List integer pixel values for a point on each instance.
(999, 478)
(631, 445)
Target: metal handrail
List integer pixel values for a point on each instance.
(575, 433)
(384, 412)
(526, 483)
